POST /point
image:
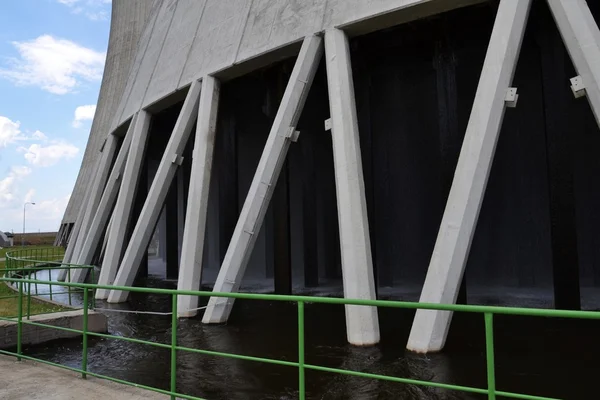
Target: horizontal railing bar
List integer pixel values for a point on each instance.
(397, 380)
(523, 396)
(100, 376)
(239, 357)
(338, 301)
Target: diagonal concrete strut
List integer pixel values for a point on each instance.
(263, 184)
(451, 250)
(157, 194)
(195, 218)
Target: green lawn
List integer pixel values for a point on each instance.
(9, 306)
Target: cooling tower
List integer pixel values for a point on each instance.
(425, 150)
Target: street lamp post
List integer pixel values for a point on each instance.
(23, 236)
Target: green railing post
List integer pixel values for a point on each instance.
(29, 296)
(174, 347)
(20, 321)
(489, 355)
(301, 383)
(69, 280)
(84, 350)
(49, 280)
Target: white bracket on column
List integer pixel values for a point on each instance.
(328, 124)
(578, 87)
(260, 192)
(511, 97)
(177, 159)
(293, 134)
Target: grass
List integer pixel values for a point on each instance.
(9, 306)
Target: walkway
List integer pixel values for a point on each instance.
(27, 380)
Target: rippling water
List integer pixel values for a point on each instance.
(534, 355)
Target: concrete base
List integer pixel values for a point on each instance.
(28, 380)
(36, 335)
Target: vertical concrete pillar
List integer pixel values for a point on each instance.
(362, 323)
(124, 206)
(190, 272)
(265, 179)
(96, 189)
(452, 246)
(157, 194)
(582, 39)
(98, 225)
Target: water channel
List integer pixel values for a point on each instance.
(547, 357)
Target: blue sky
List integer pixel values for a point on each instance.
(52, 56)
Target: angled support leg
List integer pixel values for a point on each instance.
(96, 190)
(63, 274)
(98, 225)
(581, 36)
(190, 271)
(362, 323)
(157, 194)
(263, 184)
(105, 240)
(451, 250)
(124, 206)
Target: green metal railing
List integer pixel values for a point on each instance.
(28, 263)
(488, 315)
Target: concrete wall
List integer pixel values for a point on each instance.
(187, 39)
(32, 335)
(128, 21)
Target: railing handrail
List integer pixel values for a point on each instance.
(479, 309)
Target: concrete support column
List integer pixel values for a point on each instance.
(96, 189)
(362, 323)
(63, 274)
(582, 39)
(98, 225)
(451, 249)
(171, 160)
(190, 273)
(265, 179)
(124, 206)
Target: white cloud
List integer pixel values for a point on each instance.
(95, 10)
(83, 113)
(46, 156)
(39, 136)
(9, 131)
(47, 210)
(8, 185)
(45, 215)
(58, 66)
